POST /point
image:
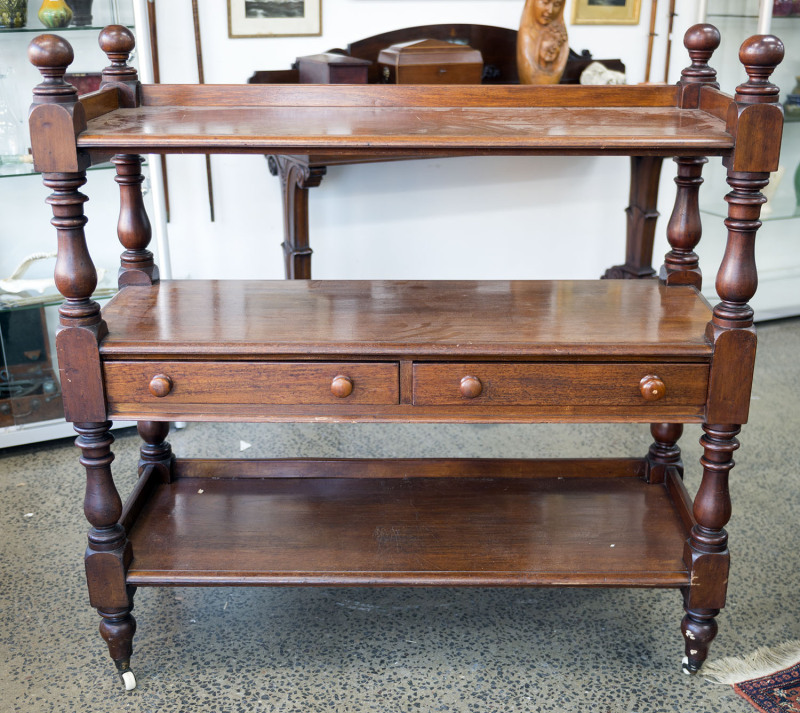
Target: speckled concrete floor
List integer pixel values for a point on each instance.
(294, 649)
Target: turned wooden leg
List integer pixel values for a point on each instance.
(296, 178)
(706, 551)
(664, 453)
(155, 450)
(642, 216)
(108, 554)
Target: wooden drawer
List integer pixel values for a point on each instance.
(548, 384)
(269, 383)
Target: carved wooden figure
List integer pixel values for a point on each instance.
(542, 46)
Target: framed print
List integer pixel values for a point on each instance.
(605, 12)
(274, 18)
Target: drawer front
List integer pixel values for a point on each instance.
(170, 384)
(545, 384)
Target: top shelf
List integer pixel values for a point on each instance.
(57, 30)
(383, 120)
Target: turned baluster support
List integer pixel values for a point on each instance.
(155, 450)
(664, 453)
(108, 554)
(681, 264)
(137, 266)
(706, 551)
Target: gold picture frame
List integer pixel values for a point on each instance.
(606, 12)
(274, 18)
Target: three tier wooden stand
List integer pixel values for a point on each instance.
(650, 351)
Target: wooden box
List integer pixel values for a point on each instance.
(332, 68)
(430, 62)
(29, 388)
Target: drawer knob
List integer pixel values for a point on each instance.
(341, 386)
(471, 387)
(160, 385)
(652, 388)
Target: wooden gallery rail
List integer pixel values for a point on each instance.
(647, 351)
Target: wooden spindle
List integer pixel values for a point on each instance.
(681, 264)
(133, 228)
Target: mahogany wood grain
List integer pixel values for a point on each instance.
(229, 320)
(409, 531)
(267, 383)
(403, 467)
(551, 384)
(399, 96)
(103, 101)
(163, 410)
(518, 129)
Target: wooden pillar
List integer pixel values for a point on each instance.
(733, 336)
(56, 111)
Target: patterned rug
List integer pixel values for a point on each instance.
(769, 679)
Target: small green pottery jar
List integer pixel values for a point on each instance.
(13, 13)
(55, 13)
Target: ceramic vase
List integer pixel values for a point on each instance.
(55, 13)
(13, 13)
(81, 12)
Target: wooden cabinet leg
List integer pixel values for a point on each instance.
(642, 216)
(108, 554)
(296, 176)
(706, 552)
(664, 453)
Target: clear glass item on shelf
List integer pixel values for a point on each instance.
(14, 157)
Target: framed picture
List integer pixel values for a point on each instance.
(605, 12)
(274, 18)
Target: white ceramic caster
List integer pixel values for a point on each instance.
(685, 667)
(129, 680)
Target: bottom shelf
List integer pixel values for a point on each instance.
(408, 522)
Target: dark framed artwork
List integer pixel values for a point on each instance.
(274, 18)
(605, 12)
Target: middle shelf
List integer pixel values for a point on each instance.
(503, 351)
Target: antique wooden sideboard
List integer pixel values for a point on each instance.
(648, 351)
(298, 173)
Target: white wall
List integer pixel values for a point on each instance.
(467, 217)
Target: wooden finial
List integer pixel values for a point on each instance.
(759, 55)
(117, 42)
(52, 55)
(701, 41)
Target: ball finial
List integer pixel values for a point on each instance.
(761, 51)
(49, 52)
(701, 38)
(116, 39)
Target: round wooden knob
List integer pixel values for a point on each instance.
(652, 388)
(471, 387)
(160, 385)
(341, 386)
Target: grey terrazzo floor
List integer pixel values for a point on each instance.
(294, 649)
